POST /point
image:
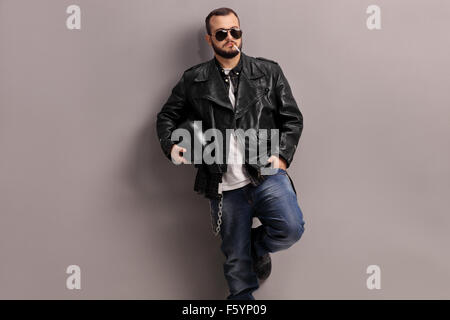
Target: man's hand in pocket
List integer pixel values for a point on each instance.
(277, 162)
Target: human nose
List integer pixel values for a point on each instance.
(229, 36)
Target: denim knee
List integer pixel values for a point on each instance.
(294, 232)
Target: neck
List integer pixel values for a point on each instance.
(228, 63)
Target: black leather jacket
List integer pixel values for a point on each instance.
(264, 101)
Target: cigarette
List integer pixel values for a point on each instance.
(236, 48)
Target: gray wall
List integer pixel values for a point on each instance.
(83, 179)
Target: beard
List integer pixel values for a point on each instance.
(225, 53)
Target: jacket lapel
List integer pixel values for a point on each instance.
(248, 90)
(215, 89)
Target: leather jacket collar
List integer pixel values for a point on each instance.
(215, 90)
(235, 71)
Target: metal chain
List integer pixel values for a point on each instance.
(219, 220)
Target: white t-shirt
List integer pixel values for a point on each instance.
(235, 177)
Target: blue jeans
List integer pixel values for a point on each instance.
(274, 203)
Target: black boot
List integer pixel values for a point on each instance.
(261, 265)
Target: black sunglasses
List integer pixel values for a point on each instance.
(222, 33)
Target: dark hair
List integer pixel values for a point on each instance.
(219, 12)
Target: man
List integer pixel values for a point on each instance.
(237, 91)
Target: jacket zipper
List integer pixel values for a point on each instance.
(234, 120)
(238, 137)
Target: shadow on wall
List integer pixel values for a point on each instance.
(178, 218)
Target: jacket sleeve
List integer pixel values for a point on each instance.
(290, 118)
(171, 114)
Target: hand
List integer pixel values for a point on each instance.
(277, 162)
(175, 154)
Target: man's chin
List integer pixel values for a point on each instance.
(228, 54)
